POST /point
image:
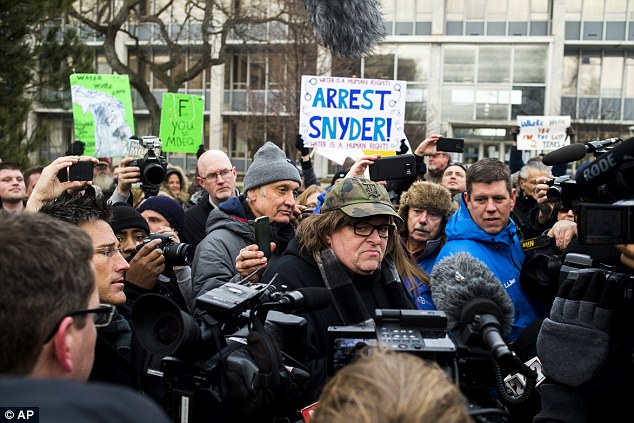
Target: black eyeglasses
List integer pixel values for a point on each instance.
(102, 317)
(366, 229)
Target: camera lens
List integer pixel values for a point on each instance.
(554, 194)
(179, 254)
(153, 173)
(167, 329)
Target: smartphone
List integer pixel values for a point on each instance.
(393, 167)
(263, 235)
(450, 145)
(83, 170)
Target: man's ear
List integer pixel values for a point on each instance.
(63, 340)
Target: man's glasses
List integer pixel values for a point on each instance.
(224, 174)
(110, 251)
(366, 229)
(102, 317)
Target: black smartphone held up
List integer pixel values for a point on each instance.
(393, 167)
(450, 145)
(83, 170)
(263, 235)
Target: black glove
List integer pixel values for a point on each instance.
(299, 144)
(258, 397)
(404, 148)
(573, 344)
(201, 150)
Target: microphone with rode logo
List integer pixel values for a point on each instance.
(574, 152)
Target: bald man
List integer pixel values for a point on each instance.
(217, 176)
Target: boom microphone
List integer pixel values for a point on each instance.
(574, 152)
(349, 28)
(469, 293)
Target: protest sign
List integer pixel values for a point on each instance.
(102, 113)
(542, 132)
(348, 117)
(181, 122)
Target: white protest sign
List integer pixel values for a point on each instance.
(542, 132)
(352, 116)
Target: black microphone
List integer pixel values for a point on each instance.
(303, 300)
(602, 169)
(574, 152)
(472, 297)
(349, 28)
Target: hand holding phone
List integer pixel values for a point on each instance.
(263, 235)
(83, 170)
(393, 167)
(449, 145)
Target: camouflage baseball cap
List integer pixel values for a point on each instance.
(359, 197)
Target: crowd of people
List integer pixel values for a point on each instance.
(95, 247)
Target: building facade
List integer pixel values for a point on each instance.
(471, 66)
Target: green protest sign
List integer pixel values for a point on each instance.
(181, 123)
(102, 113)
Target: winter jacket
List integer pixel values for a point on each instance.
(196, 220)
(422, 294)
(297, 270)
(502, 253)
(229, 229)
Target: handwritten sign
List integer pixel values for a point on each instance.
(352, 114)
(102, 113)
(542, 132)
(181, 122)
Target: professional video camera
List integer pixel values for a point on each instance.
(175, 253)
(602, 194)
(466, 361)
(153, 167)
(225, 364)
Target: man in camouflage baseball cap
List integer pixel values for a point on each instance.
(349, 248)
(359, 197)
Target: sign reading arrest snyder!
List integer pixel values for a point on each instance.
(352, 113)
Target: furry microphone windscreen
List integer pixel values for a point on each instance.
(349, 28)
(457, 279)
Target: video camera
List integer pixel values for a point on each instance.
(424, 334)
(207, 356)
(175, 253)
(153, 168)
(602, 194)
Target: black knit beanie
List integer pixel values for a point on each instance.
(125, 217)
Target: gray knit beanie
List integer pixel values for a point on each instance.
(270, 165)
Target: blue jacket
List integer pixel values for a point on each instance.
(502, 253)
(422, 294)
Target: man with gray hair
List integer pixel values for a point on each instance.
(531, 174)
(228, 252)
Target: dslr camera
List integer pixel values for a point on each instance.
(153, 168)
(176, 254)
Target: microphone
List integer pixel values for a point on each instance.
(349, 28)
(303, 300)
(602, 169)
(473, 298)
(574, 152)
